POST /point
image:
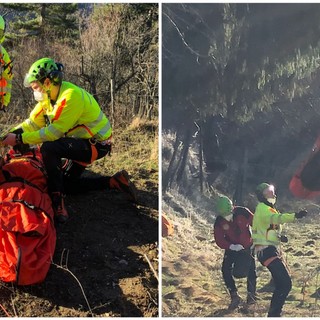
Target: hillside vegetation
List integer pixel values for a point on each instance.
(240, 107)
(192, 284)
(106, 257)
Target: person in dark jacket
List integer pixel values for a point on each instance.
(233, 234)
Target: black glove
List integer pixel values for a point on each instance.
(284, 238)
(301, 214)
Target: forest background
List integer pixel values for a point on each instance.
(240, 106)
(108, 49)
(106, 258)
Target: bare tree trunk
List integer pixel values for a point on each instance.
(167, 177)
(241, 179)
(149, 112)
(199, 134)
(245, 169)
(112, 99)
(184, 155)
(200, 161)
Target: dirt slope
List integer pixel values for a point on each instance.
(100, 267)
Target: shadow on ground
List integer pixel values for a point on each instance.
(101, 265)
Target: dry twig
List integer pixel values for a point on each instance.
(151, 267)
(65, 268)
(5, 311)
(14, 308)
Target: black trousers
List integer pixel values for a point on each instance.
(63, 181)
(281, 278)
(229, 260)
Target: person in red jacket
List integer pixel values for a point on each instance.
(232, 232)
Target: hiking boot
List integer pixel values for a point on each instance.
(60, 212)
(251, 298)
(121, 181)
(235, 301)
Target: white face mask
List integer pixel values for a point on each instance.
(272, 200)
(229, 217)
(40, 96)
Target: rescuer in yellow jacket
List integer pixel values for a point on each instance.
(69, 124)
(266, 235)
(6, 70)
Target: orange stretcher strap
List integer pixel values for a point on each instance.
(94, 153)
(94, 156)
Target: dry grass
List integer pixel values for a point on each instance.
(143, 135)
(134, 149)
(192, 281)
(135, 291)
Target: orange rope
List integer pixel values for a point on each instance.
(5, 311)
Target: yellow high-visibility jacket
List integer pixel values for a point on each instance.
(5, 77)
(75, 114)
(266, 224)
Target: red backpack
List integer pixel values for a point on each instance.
(27, 231)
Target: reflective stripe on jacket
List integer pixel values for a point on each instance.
(75, 114)
(6, 77)
(266, 225)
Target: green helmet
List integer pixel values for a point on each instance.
(2, 29)
(262, 186)
(224, 206)
(261, 189)
(40, 70)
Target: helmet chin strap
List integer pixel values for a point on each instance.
(47, 90)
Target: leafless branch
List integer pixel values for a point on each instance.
(151, 267)
(184, 40)
(65, 268)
